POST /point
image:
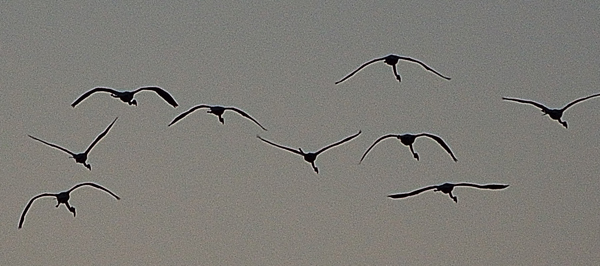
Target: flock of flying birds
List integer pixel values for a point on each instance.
(310, 157)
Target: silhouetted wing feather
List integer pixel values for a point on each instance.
(90, 92)
(184, 114)
(53, 145)
(358, 69)
(29, 205)
(441, 142)
(280, 146)
(539, 105)
(375, 143)
(96, 186)
(579, 100)
(488, 186)
(423, 65)
(337, 143)
(239, 111)
(162, 93)
(412, 193)
(99, 137)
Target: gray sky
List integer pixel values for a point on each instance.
(202, 193)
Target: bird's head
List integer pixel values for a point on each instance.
(72, 209)
(133, 102)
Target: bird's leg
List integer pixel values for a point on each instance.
(413, 152)
(396, 73)
(71, 209)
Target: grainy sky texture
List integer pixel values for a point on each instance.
(203, 193)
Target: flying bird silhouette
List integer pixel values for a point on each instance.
(447, 188)
(216, 110)
(408, 140)
(555, 114)
(79, 157)
(310, 157)
(62, 198)
(127, 96)
(392, 60)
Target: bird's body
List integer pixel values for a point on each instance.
(218, 111)
(310, 157)
(127, 96)
(447, 189)
(408, 140)
(62, 198)
(79, 157)
(555, 114)
(392, 60)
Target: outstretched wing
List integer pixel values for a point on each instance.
(488, 186)
(88, 93)
(579, 100)
(239, 111)
(441, 142)
(375, 143)
(538, 105)
(99, 137)
(184, 114)
(96, 186)
(412, 193)
(280, 146)
(53, 145)
(337, 143)
(29, 205)
(423, 65)
(162, 93)
(359, 68)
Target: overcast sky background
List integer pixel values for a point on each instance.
(203, 193)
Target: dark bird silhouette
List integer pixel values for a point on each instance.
(392, 60)
(79, 157)
(447, 188)
(216, 110)
(63, 198)
(408, 140)
(127, 96)
(310, 157)
(555, 114)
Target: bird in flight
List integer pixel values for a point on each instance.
(408, 140)
(392, 60)
(62, 198)
(447, 188)
(310, 157)
(79, 157)
(127, 96)
(216, 110)
(555, 114)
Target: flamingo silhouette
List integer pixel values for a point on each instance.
(310, 157)
(127, 96)
(79, 157)
(408, 140)
(555, 114)
(62, 198)
(447, 189)
(392, 60)
(218, 111)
